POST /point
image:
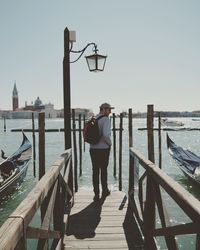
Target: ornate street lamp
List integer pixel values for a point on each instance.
(95, 63)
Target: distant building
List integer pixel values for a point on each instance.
(37, 106)
(50, 112)
(15, 100)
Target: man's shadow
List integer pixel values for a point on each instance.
(84, 223)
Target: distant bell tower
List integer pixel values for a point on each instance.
(15, 101)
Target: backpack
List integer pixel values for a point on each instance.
(91, 132)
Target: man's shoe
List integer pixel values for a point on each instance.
(106, 193)
(96, 198)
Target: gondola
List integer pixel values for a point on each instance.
(188, 162)
(13, 169)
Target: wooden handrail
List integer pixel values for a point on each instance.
(15, 227)
(186, 201)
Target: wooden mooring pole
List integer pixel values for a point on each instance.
(131, 161)
(130, 127)
(114, 146)
(41, 117)
(34, 152)
(120, 151)
(150, 135)
(75, 151)
(41, 127)
(80, 144)
(83, 127)
(159, 141)
(4, 125)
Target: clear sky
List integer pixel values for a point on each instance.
(153, 49)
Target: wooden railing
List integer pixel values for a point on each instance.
(51, 194)
(146, 190)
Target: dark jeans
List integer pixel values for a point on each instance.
(100, 159)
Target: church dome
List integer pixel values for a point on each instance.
(38, 102)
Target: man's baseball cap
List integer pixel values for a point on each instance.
(106, 106)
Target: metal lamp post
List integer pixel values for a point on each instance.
(66, 90)
(95, 63)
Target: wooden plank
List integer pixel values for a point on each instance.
(100, 237)
(189, 228)
(87, 230)
(97, 245)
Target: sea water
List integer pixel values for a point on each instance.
(54, 146)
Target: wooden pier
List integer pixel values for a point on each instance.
(58, 215)
(102, 225)
(73, 221)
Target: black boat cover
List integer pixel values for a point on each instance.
(183, 157)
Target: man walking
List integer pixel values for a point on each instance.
(100, 152)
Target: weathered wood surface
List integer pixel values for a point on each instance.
(150, 197)
(103, 225)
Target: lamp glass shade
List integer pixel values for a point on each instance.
(96, 62)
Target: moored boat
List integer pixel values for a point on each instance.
(187, 161)
(13, 169)
(172, 123)
(196, 119)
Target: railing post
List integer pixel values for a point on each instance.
(58, 212)
(198, 241)
(149, 210)
(131, 172)
(149, 215)
(22, 244)
(71, 178)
